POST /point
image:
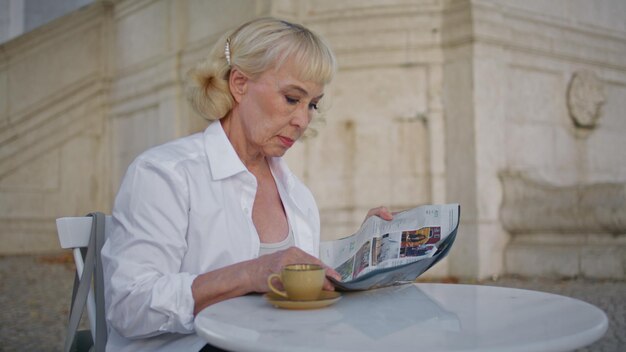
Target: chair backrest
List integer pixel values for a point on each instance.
(74, 233)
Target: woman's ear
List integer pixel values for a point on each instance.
(238, 84)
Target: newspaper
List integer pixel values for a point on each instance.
(383, 253)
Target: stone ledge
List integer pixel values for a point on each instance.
(559, 260)
(531, 206)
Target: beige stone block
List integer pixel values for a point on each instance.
(144, 83)
(140, 33)
(531, 206)
(372, 168)
(136, 132)
(27, 142)
(547, 260)
(407, 192)
(604, 262)
(460, 143)
(612, 111)
(212, 18)
(607, 14)
(535, 96)
(463, 258)
(437, 144)
(284, 8)
(367, 58)
(490, 114)
(492, 241)
(332, 7)
(331, 165)
(435, 82)
(529, 146)
(16, 204)
(477, 250)
(605, 239)
(4, 97)
(530, 36)
(409, 169)
(391, 167)
(339, 222)
(81, 192)
(541, 239)
(66, 183)
(489, 22)
(604, 161)
(569, 156)
(392, 33)
(373, 147)
(28, 190)
(39, 175)
(43, 72)
(559, 8)
(559, 35)
(352, 153)
(523, 60)
(371, 192)
(489, 196)
(169, 115)
(379, 93)
(389, 40)
(380, 143)
(438, 189)
(296, 158)
(191, 122)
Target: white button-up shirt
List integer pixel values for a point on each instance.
(185, 208)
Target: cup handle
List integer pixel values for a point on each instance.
(274, 289)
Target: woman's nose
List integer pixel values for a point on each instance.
(302, 117)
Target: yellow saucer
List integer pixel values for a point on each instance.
(326, 298)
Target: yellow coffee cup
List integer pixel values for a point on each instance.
(302, 282)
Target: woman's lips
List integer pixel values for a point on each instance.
(287, 142)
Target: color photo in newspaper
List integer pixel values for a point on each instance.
(383, 253)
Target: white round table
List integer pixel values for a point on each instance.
(413, 317)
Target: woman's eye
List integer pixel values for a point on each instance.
(313, 106)
(291, 101)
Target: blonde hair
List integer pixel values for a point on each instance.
(255, 47)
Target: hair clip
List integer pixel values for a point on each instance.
(227, 51)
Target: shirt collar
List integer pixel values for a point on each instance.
(223, 159)
(281, 172)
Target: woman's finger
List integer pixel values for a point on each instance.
(381, 212)
(328, 286)
(330, 272)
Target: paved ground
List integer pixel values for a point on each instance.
(35, 293)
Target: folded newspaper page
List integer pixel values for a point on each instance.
(383, 253)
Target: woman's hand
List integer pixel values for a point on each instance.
(249, 276)
(381, 212)
(273, 263)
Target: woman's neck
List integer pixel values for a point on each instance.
(251, 157)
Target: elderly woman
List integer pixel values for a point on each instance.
(208, 217)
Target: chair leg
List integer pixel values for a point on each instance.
(83, 341)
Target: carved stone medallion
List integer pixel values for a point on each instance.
(585, 98)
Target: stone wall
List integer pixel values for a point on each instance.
(550, 98)
(53, 102)
(433, 100)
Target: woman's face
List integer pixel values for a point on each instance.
(275, 110)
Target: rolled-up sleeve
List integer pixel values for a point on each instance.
(146, 292)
